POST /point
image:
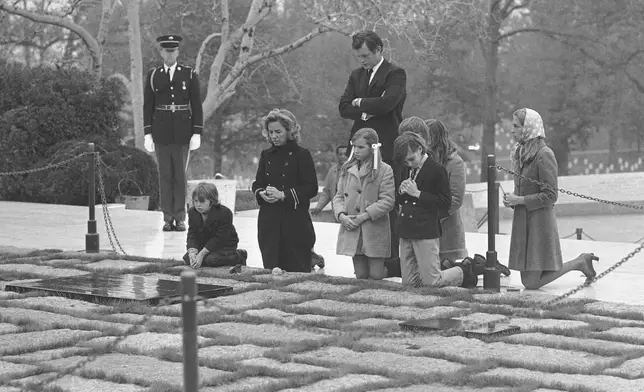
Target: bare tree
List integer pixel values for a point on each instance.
(64, 19)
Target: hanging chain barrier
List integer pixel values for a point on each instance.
(536, 310)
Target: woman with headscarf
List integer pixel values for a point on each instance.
(284, 184)
(534, 245)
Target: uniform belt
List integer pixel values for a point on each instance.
(173, 107)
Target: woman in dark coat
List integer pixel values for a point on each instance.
(534, 245)
(284, 184)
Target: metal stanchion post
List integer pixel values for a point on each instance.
(189, 316)
(579, 232)
(491, 276)
(91, 238)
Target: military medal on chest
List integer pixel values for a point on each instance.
(183, 85)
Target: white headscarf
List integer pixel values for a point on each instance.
(532, 129)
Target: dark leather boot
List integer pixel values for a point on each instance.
(470, 279)
(500, 267)
(447, 264)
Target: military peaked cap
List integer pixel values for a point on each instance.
(169, 41)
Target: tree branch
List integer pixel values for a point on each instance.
(202, 48)
(225, 20)
(91, 43)
(541, 31)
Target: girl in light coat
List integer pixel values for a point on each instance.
(364, 198)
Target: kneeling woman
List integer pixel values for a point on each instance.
(535, 250)
(284, 184)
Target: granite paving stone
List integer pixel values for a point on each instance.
(10, 370)
(379, 361)
(118, 265)
(53, 320)
(251, 299)
(337, 308)
(526, 324)
(137, 367)
(250, 384)
(79, 384)
(340, 384)
(39, 340)
(8, 328)
(320, 287)
(604, 347)
(565, 381)
(57, 262)
(444, 388)
(633, 368)
(133, 318)
(630, 334)
(232, 353)
(56, 304)
(605, 320)
(393, 298)
(376, 322)
(527, 299)
(615, 309)
(283, 367)
(47, 355)
(8, 294)
(270, 314)
(260, 333)
(41, 270)
(145, 342)
(473, 350)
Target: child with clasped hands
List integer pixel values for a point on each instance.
(364, 198)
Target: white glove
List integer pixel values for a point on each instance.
(149, 143)
(195, 142)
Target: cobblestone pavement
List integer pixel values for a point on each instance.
(307, 332)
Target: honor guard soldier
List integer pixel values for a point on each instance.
(173, 122)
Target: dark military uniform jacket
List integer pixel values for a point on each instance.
(172, 110)
(419, 218)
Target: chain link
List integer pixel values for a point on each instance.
(109, 228)
(615, 203)
(48, 167)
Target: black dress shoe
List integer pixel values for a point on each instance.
(167, 226)
(500, 267)
(180, 226)
(317, 259)
(447, 264)
(243, 256)
(470, 279)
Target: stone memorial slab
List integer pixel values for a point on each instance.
(133, 288)
(491, 329)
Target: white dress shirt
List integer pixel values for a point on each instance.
(170, 70)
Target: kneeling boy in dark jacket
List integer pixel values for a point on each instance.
(212, 238)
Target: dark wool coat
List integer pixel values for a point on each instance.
(284, 229)
(534, 245)
(419, 218)
(452, 242)
(218, 233)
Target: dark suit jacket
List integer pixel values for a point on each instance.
(218, 233)
(420, 217)
(384, 98)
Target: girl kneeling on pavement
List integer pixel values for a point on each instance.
(212, 238)
(423, 196)
(364, 197)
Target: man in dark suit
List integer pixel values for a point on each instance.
(375, 94)
(374, 98)
(173, 123)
